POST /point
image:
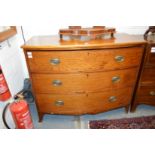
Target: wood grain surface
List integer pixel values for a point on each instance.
(83, 83)
(54, 43)
(78, 104)
(148, 76)
(84, 61)
(76, 77)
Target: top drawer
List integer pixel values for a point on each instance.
(83, 61)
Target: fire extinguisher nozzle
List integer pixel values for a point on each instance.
(4, 116)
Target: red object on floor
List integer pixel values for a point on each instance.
(21, 114)
(4, 90)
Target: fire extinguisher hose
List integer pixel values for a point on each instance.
(4, 116)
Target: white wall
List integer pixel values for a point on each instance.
(132, 29)
(11, 63)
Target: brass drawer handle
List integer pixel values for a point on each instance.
(152, 93)
(55, 61)
(112, 99)
(59, 103)
(116, 79)
(57, 83)
(119, 58)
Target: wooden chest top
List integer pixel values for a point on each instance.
(54, 43)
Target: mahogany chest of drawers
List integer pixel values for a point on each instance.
(83, 77)
(145, 93)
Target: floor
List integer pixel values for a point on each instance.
(81, 122)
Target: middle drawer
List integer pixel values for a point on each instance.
(83, 82)
(148, 76)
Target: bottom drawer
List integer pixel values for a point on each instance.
(146, 94)
(78, 104)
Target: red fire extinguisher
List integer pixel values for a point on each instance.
(4, 90)
(20, 113)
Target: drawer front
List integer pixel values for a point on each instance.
(90, 103)
(150, 100)
(83, 61)
(146, 94)
(146, 91)
(83, 83)
(148, 76)
(151, 60)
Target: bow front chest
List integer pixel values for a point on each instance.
(83, 77)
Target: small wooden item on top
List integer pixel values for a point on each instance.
(79, 33)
